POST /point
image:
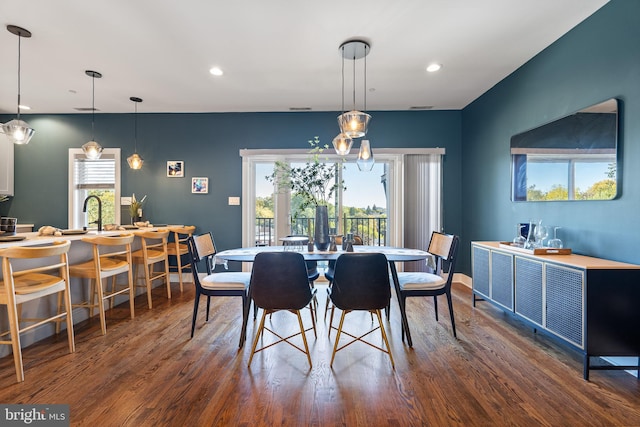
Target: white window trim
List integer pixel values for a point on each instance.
(393, 156)
(73, 204)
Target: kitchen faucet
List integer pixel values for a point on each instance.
(84, 209)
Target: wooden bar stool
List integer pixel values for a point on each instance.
(179, 248)
(153, 251)
(111, 257)
(20, 286)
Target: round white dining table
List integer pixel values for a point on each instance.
(393, 254)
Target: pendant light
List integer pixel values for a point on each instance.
(354, 123)
(92, 149)
(342, 143)
(17, 130)
(134, 160)
(365, 160)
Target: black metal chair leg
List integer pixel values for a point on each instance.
(208, 306)
(195, 313)
(435, 305)
(453, 322)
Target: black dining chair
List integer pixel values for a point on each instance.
(361, 282)
(279, 282)
(444, 247)
(330, 272)
(226, 284)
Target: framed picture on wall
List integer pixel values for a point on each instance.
(199, 185)
(175, 168)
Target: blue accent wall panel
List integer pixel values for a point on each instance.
(209, 144)
(597, 60)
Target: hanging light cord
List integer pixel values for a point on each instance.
(365, 78)
(343, 79)
(135, 128)
(19, 37)
(354, 78)
(93, 106)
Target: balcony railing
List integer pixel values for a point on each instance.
(373, 230)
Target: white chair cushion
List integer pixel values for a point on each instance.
(230, 280)
(419, 280)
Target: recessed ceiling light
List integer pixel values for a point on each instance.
(433, 67)
(24, 107)
(216, 71)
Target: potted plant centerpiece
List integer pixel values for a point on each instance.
(314, 183)
(135, 208)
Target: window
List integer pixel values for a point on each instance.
(402, 180)
(100, 178)
(567, 176)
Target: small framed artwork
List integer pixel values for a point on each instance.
(175, 169)
(199, 185)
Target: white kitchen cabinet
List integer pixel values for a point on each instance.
(6, 166)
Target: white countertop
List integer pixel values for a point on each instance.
(35, 239)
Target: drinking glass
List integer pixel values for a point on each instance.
(519, 240)
(555, 242)
(541, 233)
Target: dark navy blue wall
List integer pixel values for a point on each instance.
(598, 59)
(209, 145)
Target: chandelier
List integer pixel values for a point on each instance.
(92, 149)
(18, 131)
(134, 160)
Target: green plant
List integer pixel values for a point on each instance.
(314, 183)
(136, 205)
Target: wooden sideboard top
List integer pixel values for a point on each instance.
(573, 260)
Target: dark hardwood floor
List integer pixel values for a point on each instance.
(148, 372)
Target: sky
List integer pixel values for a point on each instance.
(546, 175)
(363, 188)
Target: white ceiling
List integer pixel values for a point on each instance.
(276, 54)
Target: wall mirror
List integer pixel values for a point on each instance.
(572, 158)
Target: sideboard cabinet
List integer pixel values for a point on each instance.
(590, 303)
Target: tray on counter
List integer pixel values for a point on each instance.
(12, 238)
(73, 232)
(536, 251)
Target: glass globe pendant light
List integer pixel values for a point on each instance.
(342, 143)
(354, 123)
(365, 160)
(134, 160)
(92, 149)
(18, 131)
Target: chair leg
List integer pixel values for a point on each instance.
(208, 306)
(335, 345)
(14, 327)
(66, 294)
(195, 312)
(245, 318)
(453, 322)
(313, 318)
(179, 267)
(147, 281)
(304, 337)
(258, 334)
(103, 320)
(403, 314)
(435, 305)
(166, 276)
(132, 293)
(384, 338)
(333, 307)
(59, 297)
